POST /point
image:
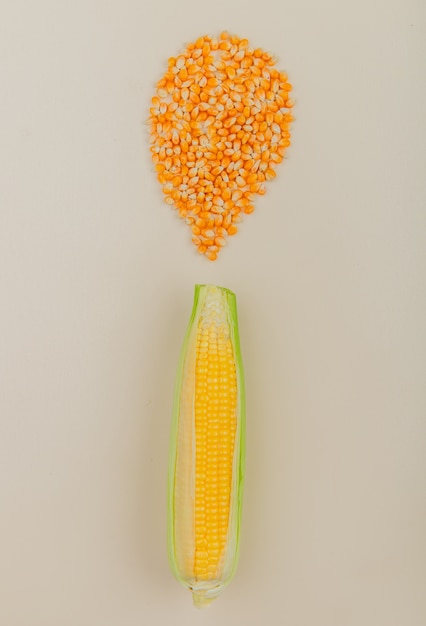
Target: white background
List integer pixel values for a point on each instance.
(96, 286)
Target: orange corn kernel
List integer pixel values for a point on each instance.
(219, 125)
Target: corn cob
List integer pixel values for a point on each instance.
(207, 448)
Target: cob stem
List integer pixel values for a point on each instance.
(201, 601)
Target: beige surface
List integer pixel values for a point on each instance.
(96, 280)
